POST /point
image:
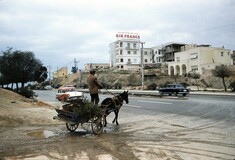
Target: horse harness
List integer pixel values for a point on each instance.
(117, 101)
(114, 104)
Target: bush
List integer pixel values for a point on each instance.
(152, 86)
(232, 86)
(26, 92)
(118, 86)
(106, 86)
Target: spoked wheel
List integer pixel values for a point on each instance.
(97, 125)
(71, 127)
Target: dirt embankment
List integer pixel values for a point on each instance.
(17, 110)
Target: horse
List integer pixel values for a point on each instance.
(113, 105)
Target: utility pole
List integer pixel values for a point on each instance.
(75, 64)
(142, 64)
(49, 73)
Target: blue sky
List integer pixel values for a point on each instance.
(57, 31)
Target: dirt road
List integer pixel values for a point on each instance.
(28, 132)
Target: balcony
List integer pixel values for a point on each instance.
(131, 48)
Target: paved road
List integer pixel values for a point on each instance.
(196, 127)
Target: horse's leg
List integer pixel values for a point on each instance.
(116, 117)
(105, 121)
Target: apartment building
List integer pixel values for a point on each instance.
(158, 54)
(198, 58)
(169, 50)
(125, 53)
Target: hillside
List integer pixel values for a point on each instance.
(17, 110)
(128, 80)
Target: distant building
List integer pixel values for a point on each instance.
(169, 50)
(90, 66)
(125, 53)
(197, 58)
(158, 54)
(62, 72)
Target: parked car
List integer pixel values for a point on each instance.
(48, 87)
(174, 89)
(68, 93)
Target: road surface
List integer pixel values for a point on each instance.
(196, 127)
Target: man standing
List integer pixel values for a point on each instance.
(93, 87)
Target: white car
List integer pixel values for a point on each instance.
(68, 93)
(48, 87)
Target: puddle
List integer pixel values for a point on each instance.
(41, 134)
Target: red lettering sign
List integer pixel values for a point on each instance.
(128, 35)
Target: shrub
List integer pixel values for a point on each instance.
(26, 92)
(152, 86)
(232, 86)
(118, 86)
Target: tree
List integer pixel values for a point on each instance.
(195, 76)
(18, 66)
(221, 72)
(40, 75)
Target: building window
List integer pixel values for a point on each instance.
(194, 68)
(178, 59)
(120, 52)
(193, 56)
(120, 44)
(145, 53)
(121, 66)
(155, 52)
(135, 52)
(129, 52)
(121, 60)
(128, 45)
(222, 54)
(145, 60)
(134, 45)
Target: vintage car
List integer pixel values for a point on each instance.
(68, 93)
(48, 87)
(174, 89)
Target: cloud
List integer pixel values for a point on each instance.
(58, 31)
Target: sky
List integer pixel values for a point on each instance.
(60, 31)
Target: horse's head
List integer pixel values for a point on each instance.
(124, 96)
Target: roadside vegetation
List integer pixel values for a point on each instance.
(17, 68)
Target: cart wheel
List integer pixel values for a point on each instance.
(97, 125)
(71, 127)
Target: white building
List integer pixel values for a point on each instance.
(158, 54)
(125, 53)
(199, 58)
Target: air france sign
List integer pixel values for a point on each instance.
(127, 35)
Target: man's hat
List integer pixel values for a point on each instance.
(92, 71)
